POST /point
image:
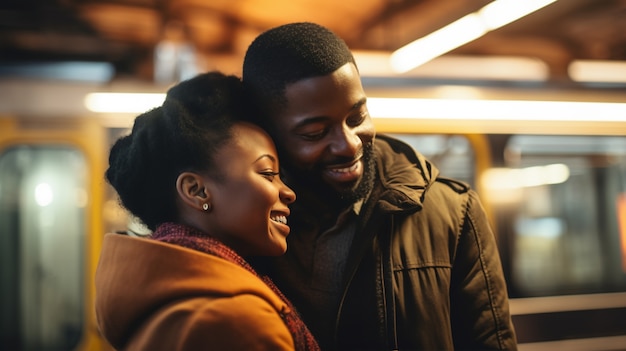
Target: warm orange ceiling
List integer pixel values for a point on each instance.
(125, 32)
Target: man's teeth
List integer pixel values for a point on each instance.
(345, 170)
(279, 219)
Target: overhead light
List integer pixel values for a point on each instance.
(437, 43)
(496, 110)
(509, 68)
(123, 102)
(502, 12)
(415, 108)
(494, 15)
(597, 71)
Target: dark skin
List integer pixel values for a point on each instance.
(247, 206)
(322, 130)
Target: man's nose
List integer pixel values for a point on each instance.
(346, 142)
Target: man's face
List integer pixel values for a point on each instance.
(325, 132)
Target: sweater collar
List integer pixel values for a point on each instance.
(192, 238)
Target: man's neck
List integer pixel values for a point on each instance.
(315, 196)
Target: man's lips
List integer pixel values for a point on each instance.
(344, 173)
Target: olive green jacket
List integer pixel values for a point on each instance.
(423, 272)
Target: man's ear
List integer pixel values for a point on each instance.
(192, 190)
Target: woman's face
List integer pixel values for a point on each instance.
(249, 201)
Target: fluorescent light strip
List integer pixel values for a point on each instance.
(123, 102)
(468, 28)
(376, 64)
(598, 71)
(494, 110)
(437, 43)
(502, 12)
(463, 109)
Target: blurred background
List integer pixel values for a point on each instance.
(525, 100)
(126, 35)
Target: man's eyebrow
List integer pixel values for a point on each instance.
(359, 103)
(310, 120)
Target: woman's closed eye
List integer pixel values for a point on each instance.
(269, 174)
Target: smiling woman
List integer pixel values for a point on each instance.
(207, 185)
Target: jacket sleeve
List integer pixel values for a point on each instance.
(479, 302)
(244, 322)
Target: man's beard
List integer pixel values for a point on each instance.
(366, 183)
(311, 182)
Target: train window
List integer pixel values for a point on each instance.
(560, 200)
(43, 197)
(453, 155)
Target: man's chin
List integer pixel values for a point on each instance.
(361, 189)
(334, 191)
(347, 191)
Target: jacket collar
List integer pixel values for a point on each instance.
(404, 174)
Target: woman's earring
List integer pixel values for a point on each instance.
(206, 206)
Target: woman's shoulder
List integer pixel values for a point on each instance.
(245, 321)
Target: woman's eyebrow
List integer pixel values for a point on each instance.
(271, 157)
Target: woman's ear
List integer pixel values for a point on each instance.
(192, 191)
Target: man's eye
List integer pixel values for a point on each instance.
(357, 120)
(317, 135)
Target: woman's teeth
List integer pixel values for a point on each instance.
(279, 219)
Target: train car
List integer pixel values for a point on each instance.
(553, 184)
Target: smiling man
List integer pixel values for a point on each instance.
(384, 253)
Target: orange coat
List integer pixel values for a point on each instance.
(156, 296)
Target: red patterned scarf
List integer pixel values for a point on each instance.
(191, 238)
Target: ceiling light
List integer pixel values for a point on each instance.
(415, 108)
(123, 102)
(472, 26)
(496, 110)
(509, 68)
(598, 71)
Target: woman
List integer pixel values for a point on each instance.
(208, 187)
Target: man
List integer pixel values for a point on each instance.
(384, 254)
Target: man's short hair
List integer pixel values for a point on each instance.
(289, 53)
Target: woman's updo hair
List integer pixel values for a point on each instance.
(183, 134)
